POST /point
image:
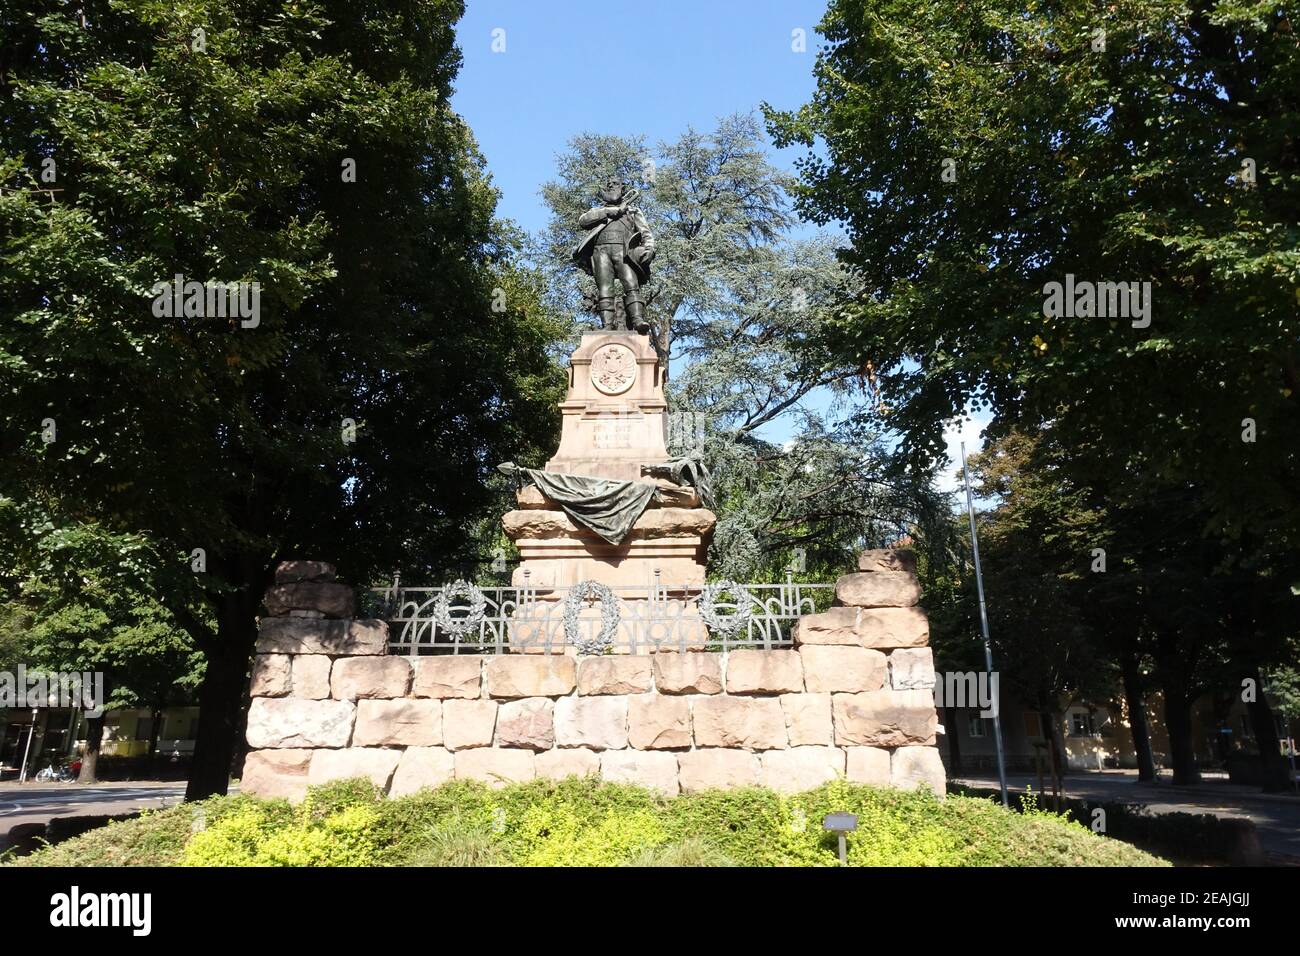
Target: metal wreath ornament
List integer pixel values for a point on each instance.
(725, 624)
(609, 617)
(459, 627)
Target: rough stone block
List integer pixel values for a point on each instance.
(353, 678)
(300, 635)
(864, 627)
(371, 763)
(311, 676)
(878, 589)
(716, 770)
(654, 771)
(689, 673)
(495, 766)
(570, 762)
(294, 572)
(527, 723)
(276, 773)
(764, 672)
(754, 723)
(656, 722)
(801, 768)
(284, 722)
(914, 767)
(868, 765)
(332, 600)
(614, 674)
(446, 676)
(422, 767)
(271, 676)
(884, 718)
(398, 723)
(888, 559)
(468, 723)
(911, 668)
(596, 722)
(530, 675)
(841, 669)
(808, 719)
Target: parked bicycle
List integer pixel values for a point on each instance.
(61, 773)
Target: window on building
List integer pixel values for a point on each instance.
(1033, 728)
(975, 728)
(144, 728)
(1082, 725)
(179, 726)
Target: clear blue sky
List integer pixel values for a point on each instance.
(574, 66)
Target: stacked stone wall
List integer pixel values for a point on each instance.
(852, 698)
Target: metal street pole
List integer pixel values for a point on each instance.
(1284, 733)
(31, 732)
(984, 628)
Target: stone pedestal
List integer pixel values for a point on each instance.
(615, 414)
(615, 421)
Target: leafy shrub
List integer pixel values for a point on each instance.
(325, 830)
(583, 822)
(155, 838)
(1193, 838)
(693, 851)
(456, 843)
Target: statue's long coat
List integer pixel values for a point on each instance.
(593, 220)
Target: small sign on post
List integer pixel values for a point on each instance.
(841, 823)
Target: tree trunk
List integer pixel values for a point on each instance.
(221, 695)
(1137, 719)
(90, 759)
(1055, 752)
(954, 747)
(662, 334)
(1182, 752)
(155, 729)
(1275, 771)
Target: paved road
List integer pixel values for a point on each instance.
(39, 803)
(1276, 816)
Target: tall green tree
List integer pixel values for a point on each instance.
(78, 600)
(304, 146)
(975, 154)
(1045, 649)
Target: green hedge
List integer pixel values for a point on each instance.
(582, 822)
(1188, 838)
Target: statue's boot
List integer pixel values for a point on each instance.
(608, 315)
(636, 315)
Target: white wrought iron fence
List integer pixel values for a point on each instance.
(461, 618)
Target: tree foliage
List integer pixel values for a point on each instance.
(977, 153)
(1110, 144)
(222, 157)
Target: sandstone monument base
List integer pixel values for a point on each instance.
(614, 422)
(853, 698)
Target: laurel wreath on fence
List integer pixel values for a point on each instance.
(725, 624)
(609, 617)
(459, 627)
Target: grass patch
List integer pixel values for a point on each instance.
(583, 822)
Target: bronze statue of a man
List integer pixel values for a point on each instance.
(618, 244)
